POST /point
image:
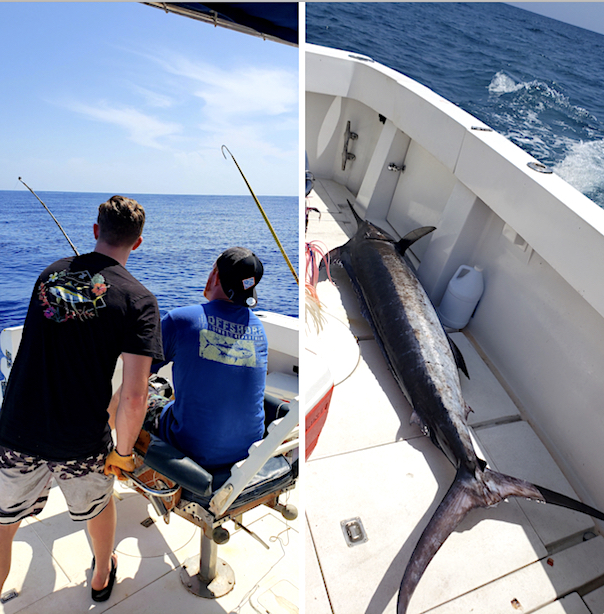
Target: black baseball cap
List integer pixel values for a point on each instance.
(240, 271)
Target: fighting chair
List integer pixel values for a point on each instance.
(209, 499)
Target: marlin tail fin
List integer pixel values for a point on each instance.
(468, 492)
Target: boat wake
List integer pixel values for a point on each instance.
(524, 112)
(583, 168)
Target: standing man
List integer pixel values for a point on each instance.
(219, 350)
(84, 312)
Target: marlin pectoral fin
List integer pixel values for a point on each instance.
(413, 236)
(459, 359)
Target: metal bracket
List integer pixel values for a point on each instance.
(348, 136)
(539, 167)
(163, 492)
(256, 537)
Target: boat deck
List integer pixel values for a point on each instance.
(371, 464)
(52, 557)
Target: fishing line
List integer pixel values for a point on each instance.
(270, 227)
(52, 216)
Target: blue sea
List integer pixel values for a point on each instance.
(183, 236)
(535, 80)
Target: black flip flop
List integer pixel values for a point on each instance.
(105, 593)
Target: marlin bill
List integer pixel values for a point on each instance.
(426, 363)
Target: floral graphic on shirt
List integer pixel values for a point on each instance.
(67, 296)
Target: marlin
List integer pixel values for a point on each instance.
(69, 295)
(426, 364)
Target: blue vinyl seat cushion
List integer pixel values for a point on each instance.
(274, 475)
(199, 484)
(167, 460)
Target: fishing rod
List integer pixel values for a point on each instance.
(270, 227)
(77, 253)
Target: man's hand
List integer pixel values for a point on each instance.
(115, 462)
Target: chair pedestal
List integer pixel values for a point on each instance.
(207, 576)
(260, 484)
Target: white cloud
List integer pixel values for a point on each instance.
(153, 99)
(250, 92)
(142, 129)
(245, 91)
(255, 141)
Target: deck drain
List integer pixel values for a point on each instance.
(8, 596)
(147, 522)
(354, 532)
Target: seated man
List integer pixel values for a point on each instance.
(219, 353)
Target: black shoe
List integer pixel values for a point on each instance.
(105, 593)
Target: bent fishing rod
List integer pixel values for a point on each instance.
(77, 253)
(270, 227)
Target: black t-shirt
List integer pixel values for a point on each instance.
(84, 312)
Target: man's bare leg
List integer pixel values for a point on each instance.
(101, 529)
(7, 534)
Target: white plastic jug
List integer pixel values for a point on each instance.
(461, 297)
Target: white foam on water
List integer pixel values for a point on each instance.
(503, 84)
(583, 166)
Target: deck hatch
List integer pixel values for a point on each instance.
(354, 532)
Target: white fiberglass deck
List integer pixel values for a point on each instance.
(52, 558)
(370, 463)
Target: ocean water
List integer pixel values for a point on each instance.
(183, 236)
(535, 80)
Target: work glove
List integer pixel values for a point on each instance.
(115, 462)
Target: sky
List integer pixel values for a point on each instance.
(588, 15)
(121, 97)
(124, 98)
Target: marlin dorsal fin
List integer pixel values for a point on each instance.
(410, 238)
(357, 217)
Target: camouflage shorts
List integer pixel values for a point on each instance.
(25, 482)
